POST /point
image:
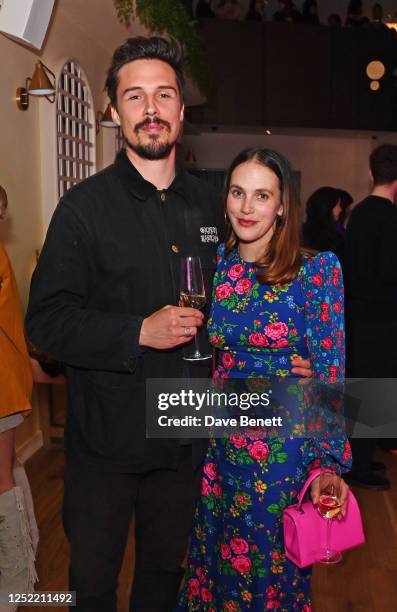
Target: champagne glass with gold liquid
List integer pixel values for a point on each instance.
(329, 507)
(193, 295)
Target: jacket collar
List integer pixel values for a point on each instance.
(141, 188)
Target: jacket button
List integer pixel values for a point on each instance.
(174, 248)
(162, 196)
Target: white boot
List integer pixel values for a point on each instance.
(21, 480)
(17, 569)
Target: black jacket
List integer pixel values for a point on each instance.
(371, 254)
(111, 257)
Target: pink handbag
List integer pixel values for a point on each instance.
(305, 529)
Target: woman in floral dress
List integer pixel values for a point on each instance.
(271, 302)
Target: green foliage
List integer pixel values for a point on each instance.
(169, 17)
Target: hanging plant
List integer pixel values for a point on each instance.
(169, 17)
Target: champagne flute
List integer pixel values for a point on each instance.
(329, 506)
(193, 295)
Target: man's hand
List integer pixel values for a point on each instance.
(169, 327)
(344, 492)
(302, 367)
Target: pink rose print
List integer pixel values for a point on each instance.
(217, 490)
(255, 433)
(238, 440)
(210, 470)
(231, 606)
(333, 371)
(280, 344)
(324, 312)
(272, 604)
(258, 339)
(223, 291)
(275, 331)
(317, 280)
(236, 271)
(326, 343)
(228, 360)
(206, 595)
(258, 450)
(201, 574)
(275, 555)
(194, 588)
(239, 546)
(307, 608)
(271, 592)
(337, 307)
(205, 487)
(243, 286)
(215, 339)
(241, 564)
(225, 551)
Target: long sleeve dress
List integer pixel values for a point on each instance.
(236, 560)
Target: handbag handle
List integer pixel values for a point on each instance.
(308, 482)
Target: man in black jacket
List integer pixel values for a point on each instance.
(103, 301)
(371, 297)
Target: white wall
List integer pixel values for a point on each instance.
(322, 158)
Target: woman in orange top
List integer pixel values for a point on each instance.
(18, 529)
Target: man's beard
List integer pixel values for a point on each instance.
(153, 149)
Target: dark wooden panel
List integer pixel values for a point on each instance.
(236, 63)
(376, 109)
(297, 75)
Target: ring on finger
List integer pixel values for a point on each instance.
(188, 331)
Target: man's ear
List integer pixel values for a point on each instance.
(370, 175)
(115, 115)
(182, 114)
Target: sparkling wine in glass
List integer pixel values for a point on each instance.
(192, 295)
(329, 507)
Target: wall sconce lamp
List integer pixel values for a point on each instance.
(105, 119)
(39, 85)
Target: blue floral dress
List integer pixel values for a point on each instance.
(236, 559)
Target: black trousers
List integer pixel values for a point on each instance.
(97, 511)
(371, 335)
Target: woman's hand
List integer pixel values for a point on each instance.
(303, 368)
(344, 492)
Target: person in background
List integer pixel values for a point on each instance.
(320, 230)
(346, 204)
(287, 12)
(371, 298)
(310, 12)
(355, 15)
(18, 528)
(204, 9)
(334, 20)
(377, 13)
(256, 11)
(229, 9)
(271, 300)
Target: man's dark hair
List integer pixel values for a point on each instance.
(141, 47)
(383, 164)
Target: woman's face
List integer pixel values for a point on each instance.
(253, 202)
(336, 211)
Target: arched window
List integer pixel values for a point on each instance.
(75, 127)
(119, 139)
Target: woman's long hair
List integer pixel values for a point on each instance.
(320, 230)
(281, 261)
